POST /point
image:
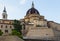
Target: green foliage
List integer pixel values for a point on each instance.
(1, 32)
(14, 32)
(17, 25)
(17, 28)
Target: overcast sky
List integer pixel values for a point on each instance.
(16, 9)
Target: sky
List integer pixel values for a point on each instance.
(16, 9)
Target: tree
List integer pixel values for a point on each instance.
(17, 28)
(1, 32)
(17, 25)
(14, 32)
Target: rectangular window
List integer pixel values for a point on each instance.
(1, 26)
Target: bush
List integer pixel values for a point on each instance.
(1, 32)
(14, 32)
(17, 28)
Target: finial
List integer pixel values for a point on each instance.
(4, 9)
(32, 4)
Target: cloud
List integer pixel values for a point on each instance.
(22, 1)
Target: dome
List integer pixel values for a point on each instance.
(32, 10)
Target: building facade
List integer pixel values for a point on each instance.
(6, 25)
(37, 28)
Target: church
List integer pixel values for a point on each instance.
(5, 24)
(34, 26)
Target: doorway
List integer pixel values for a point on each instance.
(6, 31)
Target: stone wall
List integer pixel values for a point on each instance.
(6, 28)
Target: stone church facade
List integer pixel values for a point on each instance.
(37, 28)
(34, 26)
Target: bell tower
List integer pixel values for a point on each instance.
(4, 14)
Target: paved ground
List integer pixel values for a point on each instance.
(10, 38)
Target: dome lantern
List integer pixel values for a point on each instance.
(32, 5)
(4, 9)
(32, 10)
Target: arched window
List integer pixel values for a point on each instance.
(6, 31)
(10, 26)
(3, 16)
(6, 26)
(1, 26)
